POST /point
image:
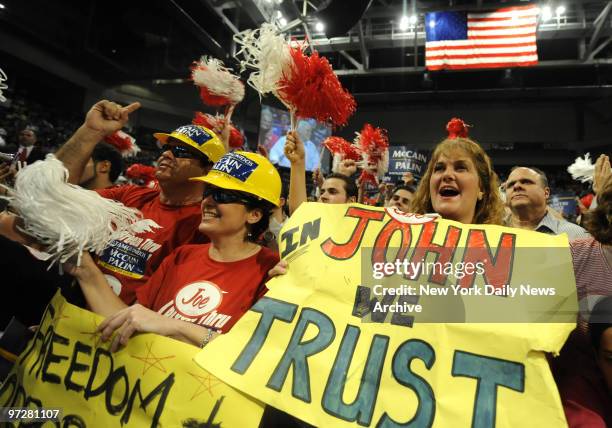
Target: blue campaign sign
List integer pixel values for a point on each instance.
(565, 204)
(403, 159)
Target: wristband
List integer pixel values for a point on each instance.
(207, 338)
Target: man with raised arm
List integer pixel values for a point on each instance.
(174, 204)
(336, 188)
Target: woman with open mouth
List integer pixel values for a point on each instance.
(460, 184)
(200, 291)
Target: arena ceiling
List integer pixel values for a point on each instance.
(116, 42)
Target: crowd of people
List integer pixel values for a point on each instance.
(221, 212)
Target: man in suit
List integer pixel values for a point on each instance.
(28, 151)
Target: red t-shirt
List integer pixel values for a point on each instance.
(191, 286)
(129, 262)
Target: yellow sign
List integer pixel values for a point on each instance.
(361, 332)
(151, 382)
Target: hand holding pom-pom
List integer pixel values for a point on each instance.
(83, 272)
(347, 167)
(294, 148)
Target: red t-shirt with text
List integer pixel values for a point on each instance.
(128, 262)
(192, 287)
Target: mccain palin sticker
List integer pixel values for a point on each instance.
(238, 166)
(195, 133)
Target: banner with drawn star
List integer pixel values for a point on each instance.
(151, 382)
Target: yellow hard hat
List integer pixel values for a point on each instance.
(246, 172)
(200, 138)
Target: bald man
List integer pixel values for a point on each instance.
(527, 194)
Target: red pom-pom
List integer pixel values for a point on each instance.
(374, 142)
(457, 128)
(140, 171)
(205, 120)
(120, 142)
(345, 149)
(125, 143)
(587, 200)
(368, 177)
(212, 100)
(236, 139)
(312, 88)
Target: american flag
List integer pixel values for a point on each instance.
(500, 38)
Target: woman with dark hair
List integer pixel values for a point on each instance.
(460, 184)
(201, 290)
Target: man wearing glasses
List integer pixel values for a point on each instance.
(174, 204)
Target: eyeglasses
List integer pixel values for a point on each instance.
(223, 196)
(183, 152)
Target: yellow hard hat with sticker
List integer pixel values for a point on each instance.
(246, 172)
(200, 138)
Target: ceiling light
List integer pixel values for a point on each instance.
(282, 21)
(403, 24)
(319, 26)
(560, 10)
(413, 19)
(2, 6)
(546, 13)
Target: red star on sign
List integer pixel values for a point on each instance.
(150, 360)
(206, 383)
(93, 335)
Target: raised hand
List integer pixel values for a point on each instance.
(294, 148)
(347, 167)
(602, 173)
(106, 117)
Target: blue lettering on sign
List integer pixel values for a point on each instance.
(236, 165)
(195, 133)
(126, 258)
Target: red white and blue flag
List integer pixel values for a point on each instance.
(500, 38)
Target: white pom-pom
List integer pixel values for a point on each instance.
(582, 169)
(65, 218)
(266, 51)
(210, 73)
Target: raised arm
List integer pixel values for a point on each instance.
(104, 118)
(98, 294)
(294, 151)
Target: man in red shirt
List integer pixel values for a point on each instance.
(174, 204)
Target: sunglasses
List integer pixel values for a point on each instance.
(183, 152)
(223, 196)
